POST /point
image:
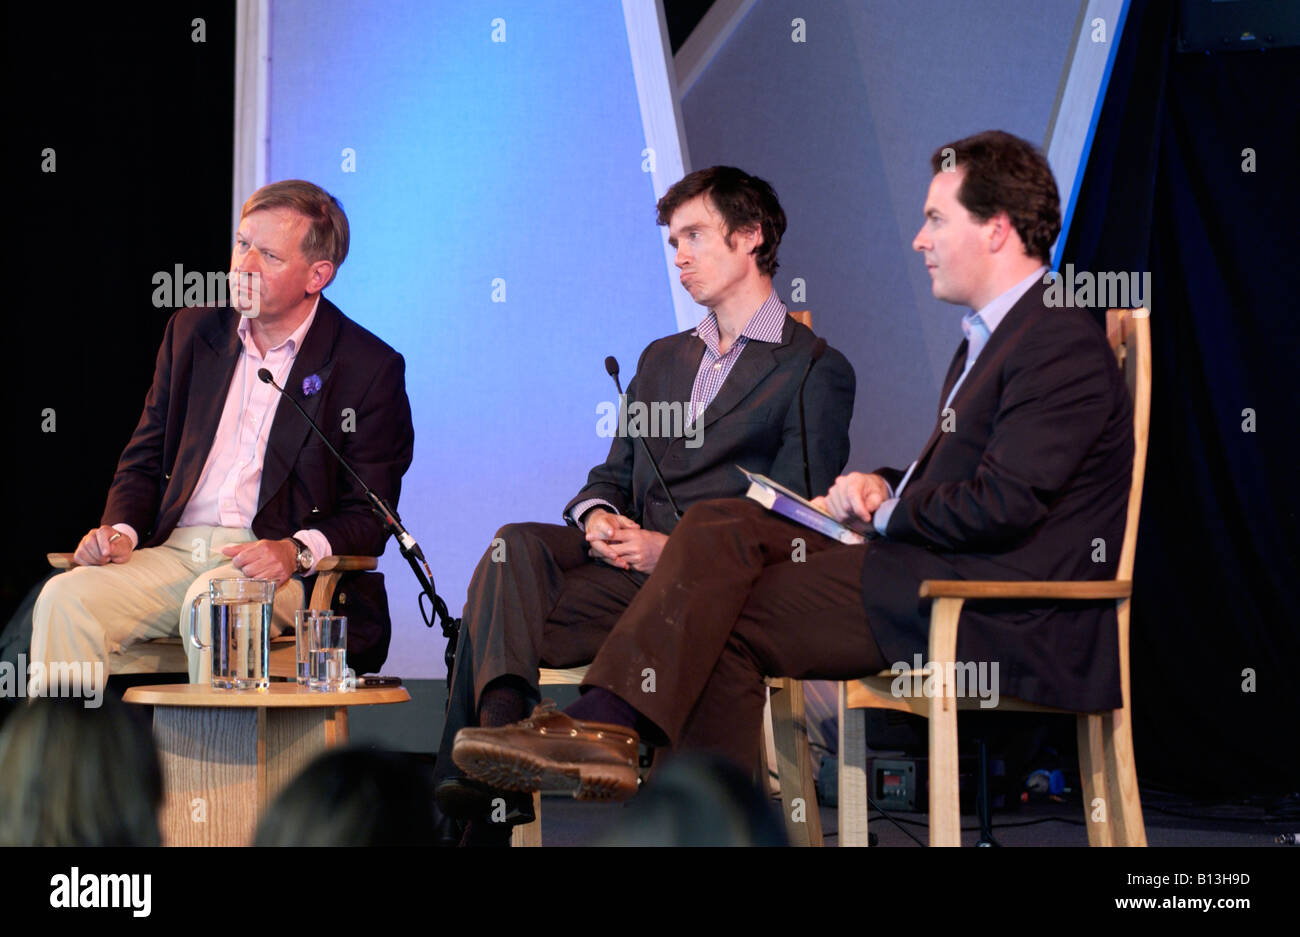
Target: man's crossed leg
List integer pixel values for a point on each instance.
(739, 594)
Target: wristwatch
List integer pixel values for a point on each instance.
(304, 559)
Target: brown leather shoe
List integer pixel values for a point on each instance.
(550, 751)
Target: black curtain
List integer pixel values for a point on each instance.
(139, 115)
(1193, 177)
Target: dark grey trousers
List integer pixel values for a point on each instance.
(537, 599)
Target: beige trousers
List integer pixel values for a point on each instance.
(85, 614)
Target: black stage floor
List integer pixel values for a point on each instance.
(1169, 821)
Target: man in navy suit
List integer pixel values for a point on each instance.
(1026, 476)
(221, 478)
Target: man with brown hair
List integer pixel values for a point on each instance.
(547, 594)
(219, 479)
(1027, 468)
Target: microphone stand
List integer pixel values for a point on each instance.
(611, 367)
(392, 525)
(423, 575)
(818, 349)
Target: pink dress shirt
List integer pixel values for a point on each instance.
(226, 493)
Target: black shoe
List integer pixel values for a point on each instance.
(447, 832)
(465, 799)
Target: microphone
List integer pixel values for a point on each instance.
(818, 349)
(410, 549)
(611, 367)
(376, 503)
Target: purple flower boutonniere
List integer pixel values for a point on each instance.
(310, 385)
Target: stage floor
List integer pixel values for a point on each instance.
(566, 822)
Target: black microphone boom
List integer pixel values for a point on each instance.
(818, 349)
(392, 523)
(611, 366)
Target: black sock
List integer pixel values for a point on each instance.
(600, 705)
(505, 700)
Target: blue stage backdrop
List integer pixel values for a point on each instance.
(503, 240)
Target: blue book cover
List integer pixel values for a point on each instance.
(783, 501)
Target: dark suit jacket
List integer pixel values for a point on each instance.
(1036, 471)
(302, 484)
(753, 422)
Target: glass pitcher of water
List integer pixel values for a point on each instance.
(240, 619)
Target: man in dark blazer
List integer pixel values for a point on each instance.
(222, 478)
(1025, 476)
(546, 594)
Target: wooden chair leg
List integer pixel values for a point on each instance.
(768, 779)
(1092, 773)
(803, 821)
(852, 773)
(945, 796)
(529, 834)
(1122, 796)
(1127, 827)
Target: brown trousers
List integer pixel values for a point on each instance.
(739, 594)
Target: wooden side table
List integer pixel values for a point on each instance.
(226, 753)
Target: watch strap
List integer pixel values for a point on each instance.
(304, 553)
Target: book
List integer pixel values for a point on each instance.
(781, 500)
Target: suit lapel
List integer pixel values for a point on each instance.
(289, 430)
(215, 356)
(757, 359)
(1005, 334)
(686, 364)
(979, 370)
(954, 371)
(680, 376)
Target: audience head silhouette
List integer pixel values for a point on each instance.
(77, 776)
(698, 800)
(351, 797)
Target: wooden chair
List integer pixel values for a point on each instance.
(1110, 792)
(794, 761)
(794, 768)
(167, 655)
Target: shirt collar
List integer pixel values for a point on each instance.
(765, 325)
(294, 341)
(997, 308)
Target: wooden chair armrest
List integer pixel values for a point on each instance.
(341, 564)
(988, 589)
(329, 572)
(346, 564)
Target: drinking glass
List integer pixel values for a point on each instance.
(327, 652)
